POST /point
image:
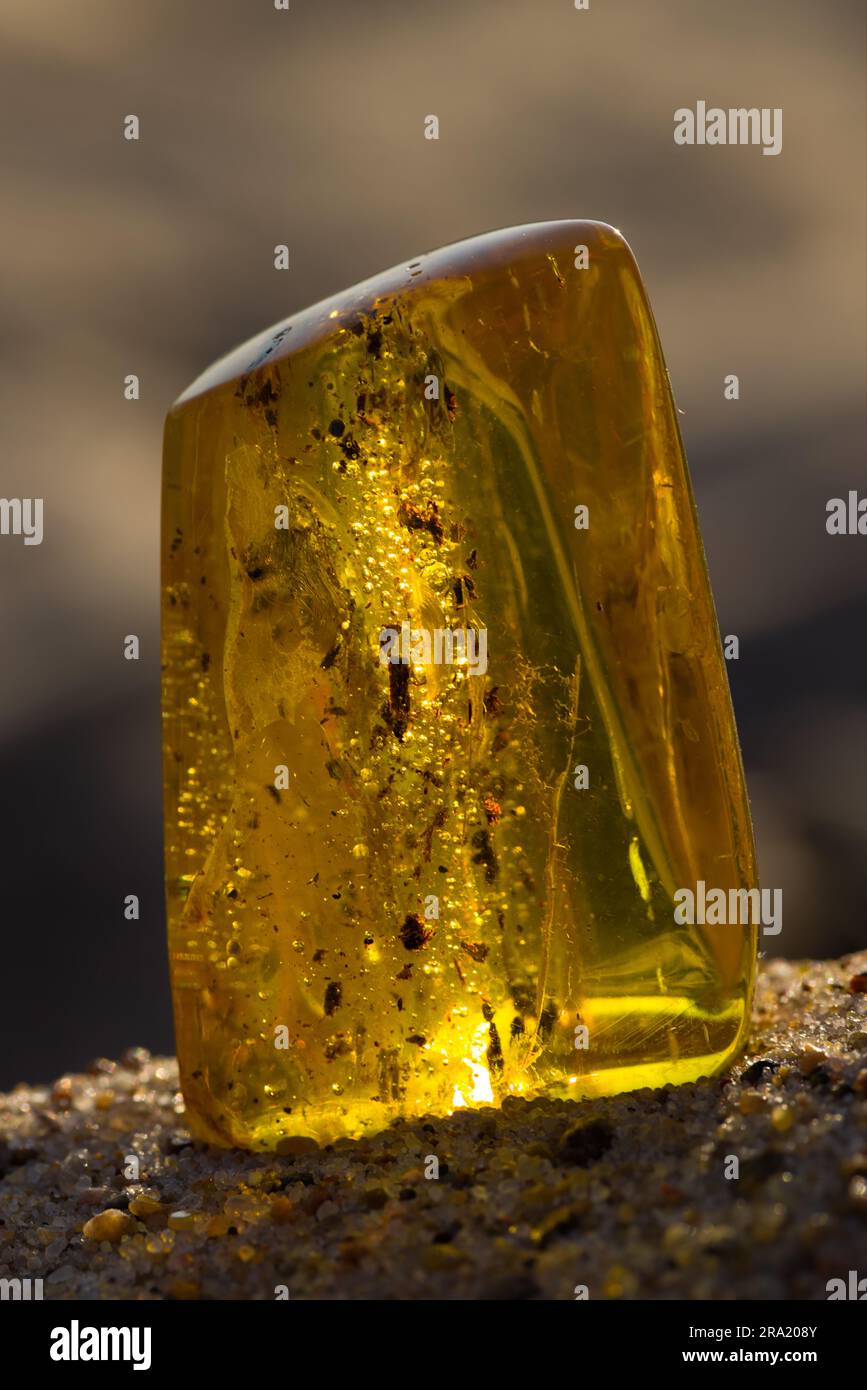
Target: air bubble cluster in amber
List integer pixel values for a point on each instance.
(446, 719)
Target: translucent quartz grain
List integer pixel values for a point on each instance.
(386, 893)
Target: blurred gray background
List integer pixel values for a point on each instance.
(259, 127)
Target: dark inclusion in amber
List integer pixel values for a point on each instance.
(446, 717)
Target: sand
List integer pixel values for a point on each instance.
(631, 1197)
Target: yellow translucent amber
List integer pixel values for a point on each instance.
(408, 870)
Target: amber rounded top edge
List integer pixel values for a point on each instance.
(456, 259)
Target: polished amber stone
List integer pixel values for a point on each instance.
(409, 872)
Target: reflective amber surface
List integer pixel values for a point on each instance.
(391, 887)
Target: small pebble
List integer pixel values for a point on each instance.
(858, 1193)
(782, 1118)
(135, 1058)
(295, 1145)
(752, 1102)
(182, 1221)
(109, 1225)
(810, 1058)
